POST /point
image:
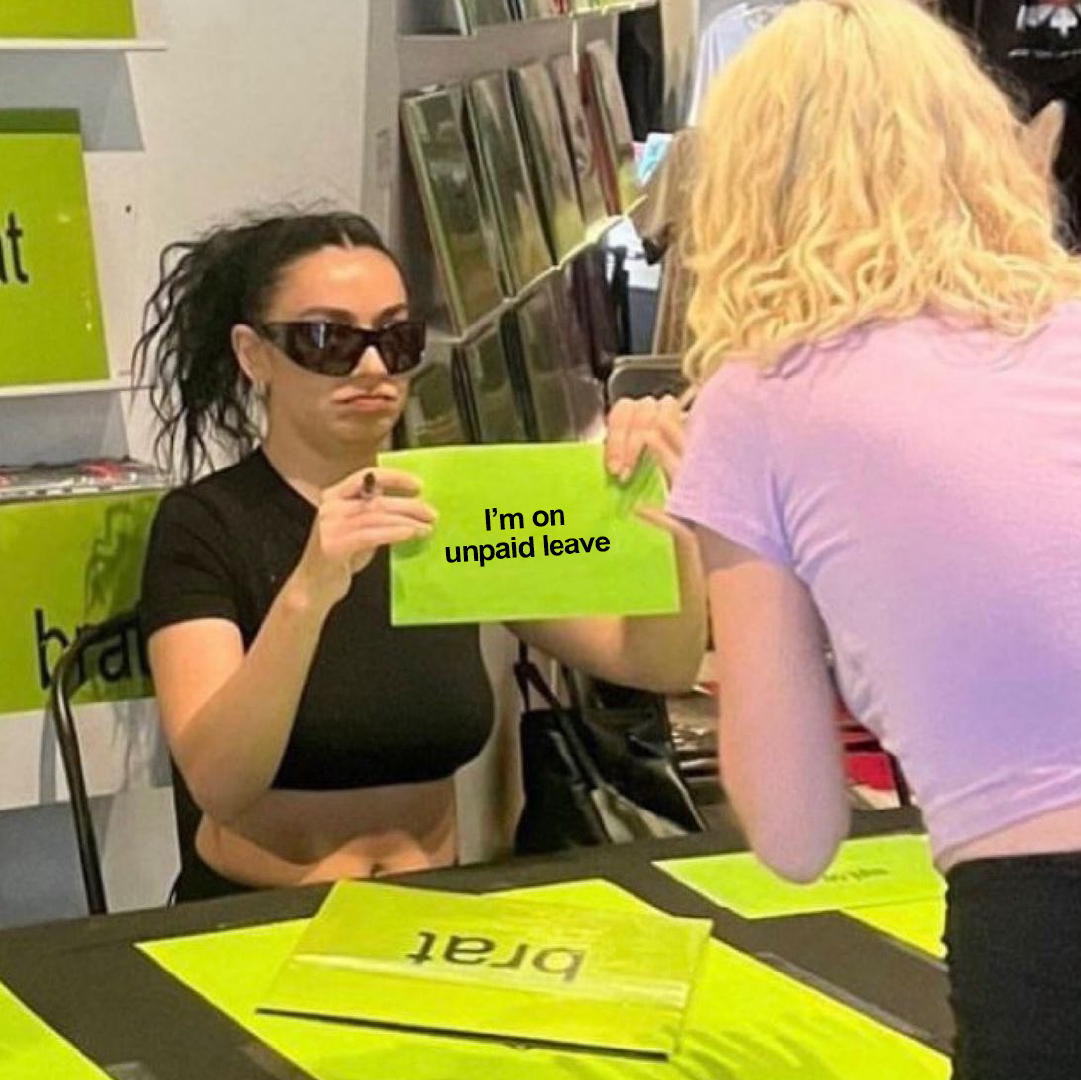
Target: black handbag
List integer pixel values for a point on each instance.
(604, 778)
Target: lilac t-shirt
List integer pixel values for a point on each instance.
(923, 479)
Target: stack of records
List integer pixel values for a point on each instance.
(464, 248)
(457, 16)
(538, 370)
(485, 13)
(505, 181)
(579, 141)
(485, 369)
(607, 108)
(435, 413)
(597, 310)
(93, 477)
(586, 392)
(537, 9)
(553, 171)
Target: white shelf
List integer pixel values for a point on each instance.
(95, 386)
(81, 45)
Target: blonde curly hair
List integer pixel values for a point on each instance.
(856, 164)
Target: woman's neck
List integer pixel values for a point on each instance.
(311, 469)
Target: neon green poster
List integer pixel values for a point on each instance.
(518, 969)
(865, 873)
(69, 563)
(919, 924)
(531, 532)
(67, 19)
(746, 1021)
(50, 311)
(31, 1050)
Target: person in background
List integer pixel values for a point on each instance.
(1035, 51)
(885, 458)
(312, 741)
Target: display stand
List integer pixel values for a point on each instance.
(53, 422)
(419, 60)
(56, 422)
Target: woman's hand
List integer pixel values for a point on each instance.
(655, 425)
(356, 517)
(638, 424)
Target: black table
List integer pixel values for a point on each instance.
(86, 979)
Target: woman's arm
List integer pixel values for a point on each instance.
(780, 751)
(663, 652)
(655, 652)
(228, 715)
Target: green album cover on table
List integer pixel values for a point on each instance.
(516, 969)
(69, 563)
(746, 1021)
(67, 19)
(865, 873)
(531, 532)
(50, 310)
(31, 1050)
(919, 923)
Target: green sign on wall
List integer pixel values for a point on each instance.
(69, 563)
(50, 311)
(67, 18)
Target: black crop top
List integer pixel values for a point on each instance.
(382, 705)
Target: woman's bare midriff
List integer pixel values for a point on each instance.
(1052, 833)
(302, 837)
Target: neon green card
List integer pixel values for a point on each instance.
(746, 1021)
(919, 924)
(877, 870)
(515, 969)
(531, 532)
(31, 1050)
(67, 18)
(51, 326)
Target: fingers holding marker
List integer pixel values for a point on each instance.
(367, 484)
(415, 509)
(348, 537)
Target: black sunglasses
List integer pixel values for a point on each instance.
(329, 348)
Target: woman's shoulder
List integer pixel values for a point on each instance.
(218, 497)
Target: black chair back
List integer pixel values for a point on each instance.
(72, 671)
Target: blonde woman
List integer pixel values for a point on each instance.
(886, 451)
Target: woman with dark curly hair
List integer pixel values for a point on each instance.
(312, 740)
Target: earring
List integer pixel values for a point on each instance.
(259, 389)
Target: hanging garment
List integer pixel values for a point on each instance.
(661, 219)
(1039, 47)
(724, 37)
(641, 69)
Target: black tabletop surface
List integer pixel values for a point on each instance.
(86, 979)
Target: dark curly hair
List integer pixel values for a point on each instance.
(207, 287)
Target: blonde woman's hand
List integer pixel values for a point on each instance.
(637, 425)
(366, 511)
